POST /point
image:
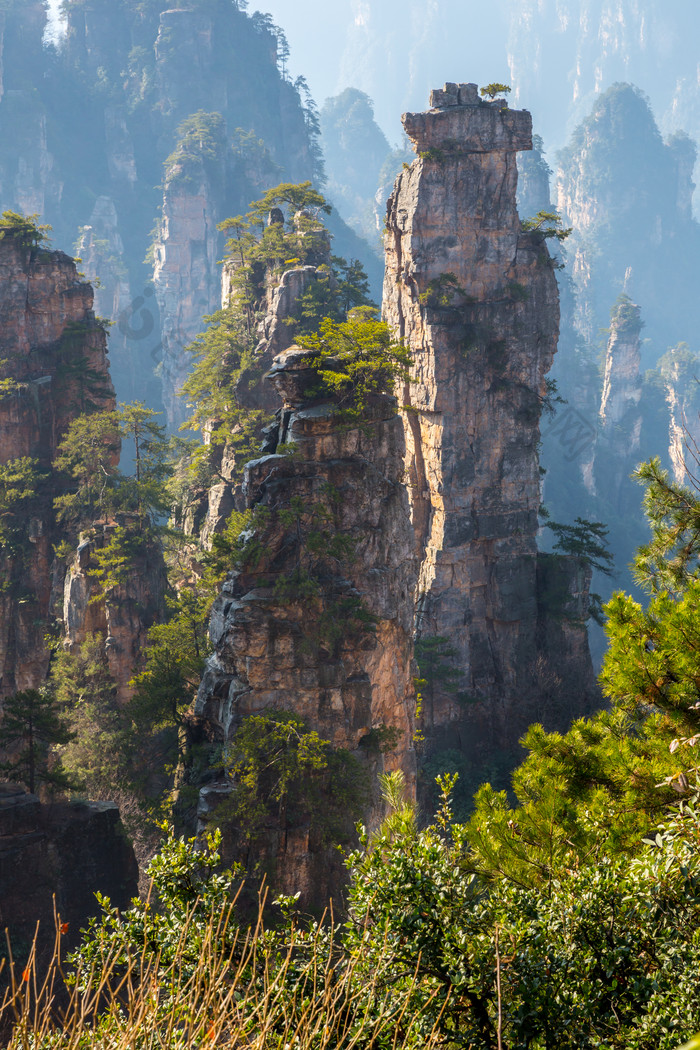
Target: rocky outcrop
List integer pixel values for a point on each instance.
(274, 336)
(534, 174)
(87, 126)
(475, 299)
(626, 193)
(678, 370)
(54, 360)
(63, 852)
(53, 355)
(317, 619)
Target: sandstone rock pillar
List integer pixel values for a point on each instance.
(618, 445)
(475, 298)
(317, 619)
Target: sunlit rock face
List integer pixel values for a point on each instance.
(475, 298)
(253, 393)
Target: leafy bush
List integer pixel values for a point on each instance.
(354, 361)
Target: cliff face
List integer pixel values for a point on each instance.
(186, 277)
(534, 174)
(55, 366)
(317, 619)
(275, 336)
(476, 301)
(49, 343)
(678, 370)
(122, 617)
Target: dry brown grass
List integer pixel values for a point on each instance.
(260, 992)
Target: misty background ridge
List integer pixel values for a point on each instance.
(556, 54)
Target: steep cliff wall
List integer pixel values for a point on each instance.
(476, 301)
(49, 344)
(186, 277)
(280, 300)
(124, 615)
(317, 618)
(54, 359)
(678, 372)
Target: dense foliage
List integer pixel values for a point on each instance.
(604, 955)
(354, 361)
(282, 230)
(568, 920)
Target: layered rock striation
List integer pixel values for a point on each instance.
(475, 299)
(317, 619)
(53, 354)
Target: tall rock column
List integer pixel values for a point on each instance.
(317, 619)
(617, 448)
(475, 299)
(679, 371)
(185, 274)
(278, 306)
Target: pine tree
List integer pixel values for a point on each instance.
(611, 779)
(31, 725)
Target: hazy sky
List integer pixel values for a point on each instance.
(53, 10)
